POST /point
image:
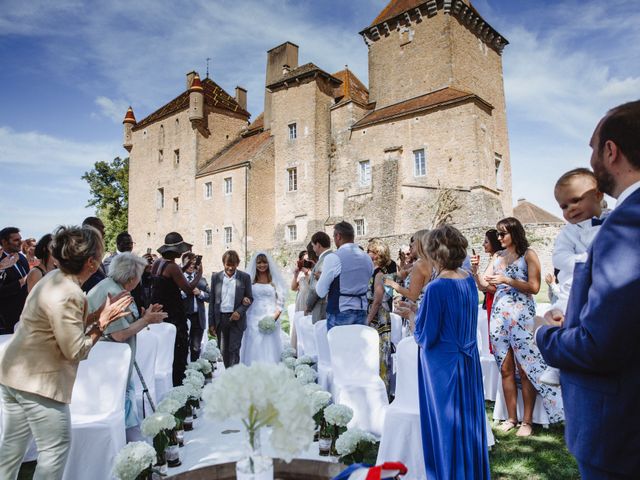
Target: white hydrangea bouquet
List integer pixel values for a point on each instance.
(211, 353)
(159, 427)
(288, 352)
(267, 325)
(134, 462)
(305, 374)
(336, 418)
(290, 363)
(263, 395)
(203, 366)
(357, 446)
(305, 360)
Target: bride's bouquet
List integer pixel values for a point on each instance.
(267, 325)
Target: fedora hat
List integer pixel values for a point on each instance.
(173, 242)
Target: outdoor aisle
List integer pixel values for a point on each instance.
(207, 445)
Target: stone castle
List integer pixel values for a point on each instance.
(426, 142)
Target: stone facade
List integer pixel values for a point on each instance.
(426, 143)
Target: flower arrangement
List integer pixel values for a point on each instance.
(193, 377)
(172, 406)
(134, 461)
(201, 365)
(305, 374)
(261, 395)
(288, 352)
(290, 363)
(319, 400)
(334, 423)
(312, 387)
(159, 427)
(211, 352)
(305, 360)
(267, 325)
(357, 446)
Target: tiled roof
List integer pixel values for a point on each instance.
(256, 126)
(214, 96)
(352, 89)
(241, 151)
(445, 96)
(395, 8)
(527, 212)
(303, 71)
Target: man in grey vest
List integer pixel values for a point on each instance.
(316, 306)
(345, 279)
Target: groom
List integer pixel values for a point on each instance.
(229, 301)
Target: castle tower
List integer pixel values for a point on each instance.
(277, 58)
(196, 103)
(128, 122)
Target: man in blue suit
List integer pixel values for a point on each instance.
(595, 346)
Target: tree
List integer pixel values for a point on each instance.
(109, 188)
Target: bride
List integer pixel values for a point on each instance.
(268, 290)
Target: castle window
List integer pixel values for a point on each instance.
(208, 237)
(176, 204)
(498, 163)
(419, 163)
(364, 173)
(160, 155)
(293, 131)
(292, 233)
(161, 136)
(228, 235)
(176, 157)
(292, 174)
(208, 190)
(361, 228)
(228, 186)
(177, 127)
(160, 198)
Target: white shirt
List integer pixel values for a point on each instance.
(190, 277)
(627, 193)
(227, 302)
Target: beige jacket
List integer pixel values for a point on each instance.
(49, 341)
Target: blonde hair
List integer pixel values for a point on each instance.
(420, 239)
(382, 251)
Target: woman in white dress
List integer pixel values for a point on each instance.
(268, 290)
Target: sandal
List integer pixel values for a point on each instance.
(525, 430)
(506, 426)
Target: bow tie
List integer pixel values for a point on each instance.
(595, 221)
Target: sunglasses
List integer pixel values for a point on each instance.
(502, 234)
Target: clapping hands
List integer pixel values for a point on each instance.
(153, 314)
(114, 308)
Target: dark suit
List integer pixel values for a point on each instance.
(229, 332)
(596, 350)
(197, 315)
(94, 279)
(12, 295)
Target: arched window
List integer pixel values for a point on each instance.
(161, 137)
(177, 127)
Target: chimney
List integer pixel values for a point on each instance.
(190, 77)
(241, 97)
(285, 70)
(285, 54)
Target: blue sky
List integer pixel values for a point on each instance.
(70, 68)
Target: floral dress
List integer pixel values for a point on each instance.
(382, 323)
(512, 317)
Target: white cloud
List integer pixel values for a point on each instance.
(112, 109)
(48, 153)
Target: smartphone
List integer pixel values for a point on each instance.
(473, 252)
(198, 260)
(148, 251)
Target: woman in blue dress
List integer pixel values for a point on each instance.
(450, 379)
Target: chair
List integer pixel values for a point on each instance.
(396, 328)
(325, 375)
(540, 416)
(146, 353)
(166, 335)
(355, 363)
(306, 336)
(488, 364)
(32, 452)
(401, 434)
(97, 412)
(295, 320)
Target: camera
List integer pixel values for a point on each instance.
(198, 261)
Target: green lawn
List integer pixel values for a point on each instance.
(540, 457)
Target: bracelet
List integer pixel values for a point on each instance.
(93, 326)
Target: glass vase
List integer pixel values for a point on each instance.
(324, 446)
(254, 466)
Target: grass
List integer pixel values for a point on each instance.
(540, 457)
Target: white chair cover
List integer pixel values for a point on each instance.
(355, 363)
(490, 370)
(396, 328)
(146, 352)
(300, 339)
(306, 336)
(166, 334)
(325, 375)
(540, 416)
(97, 412)
(401, 435)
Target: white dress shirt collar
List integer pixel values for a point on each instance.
(627, 193)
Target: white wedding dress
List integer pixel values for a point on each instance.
(258, 346)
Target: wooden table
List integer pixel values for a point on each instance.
(296, 470)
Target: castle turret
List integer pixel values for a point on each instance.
(128, 122)
(196, 100)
